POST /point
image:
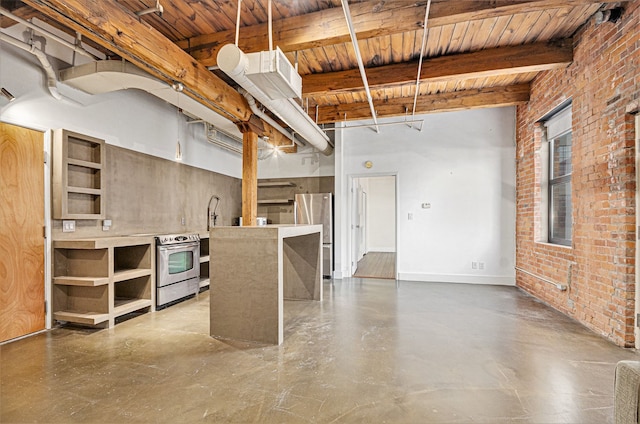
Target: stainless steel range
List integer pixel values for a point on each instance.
(178, 267)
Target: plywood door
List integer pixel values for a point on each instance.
(21, 231)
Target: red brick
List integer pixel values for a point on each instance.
(606, 64)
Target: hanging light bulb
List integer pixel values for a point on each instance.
(178, 151)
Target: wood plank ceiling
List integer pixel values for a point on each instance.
(477, 54)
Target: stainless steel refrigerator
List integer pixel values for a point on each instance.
(318, 209)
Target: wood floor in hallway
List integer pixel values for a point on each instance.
(377, 265)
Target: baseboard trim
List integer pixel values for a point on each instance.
(496, 280)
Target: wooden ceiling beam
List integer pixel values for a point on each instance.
(443, 102)
(117, 29)
(24, 12)
(121, 32)
(484, 63)
(371, 19)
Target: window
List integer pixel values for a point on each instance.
(559, 179)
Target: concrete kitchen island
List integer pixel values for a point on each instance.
(252, 271)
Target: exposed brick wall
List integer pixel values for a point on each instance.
(599, 268)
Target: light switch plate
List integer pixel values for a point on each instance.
(68, 226)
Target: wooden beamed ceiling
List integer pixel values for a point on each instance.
(478, 53)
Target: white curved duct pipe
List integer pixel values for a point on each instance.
(52, 81)
(233, 62)
(255, 109)
(113, 75)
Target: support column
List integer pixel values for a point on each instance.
(249, 178)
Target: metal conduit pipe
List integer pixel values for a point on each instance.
(356, 49)
(255, 109)
(380, 124)
(561, 287)
(52, 81)
(424, 44)
(76, 48)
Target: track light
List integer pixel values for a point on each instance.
(8, 95)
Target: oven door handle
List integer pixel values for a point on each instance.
(178, 246)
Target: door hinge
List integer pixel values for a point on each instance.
(46, 307)
(637, 320)
(44, 231)
(46, 157)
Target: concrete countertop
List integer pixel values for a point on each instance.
(261, 231)
(103, 242)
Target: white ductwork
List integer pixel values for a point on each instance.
(256, 110)
(233, 62)
(52, 82)
(111, 75)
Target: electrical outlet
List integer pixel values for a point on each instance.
(68, 226)
(480, 265)
(410, 216)
(474, 265)
(183, 221)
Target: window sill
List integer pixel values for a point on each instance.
(553, 245)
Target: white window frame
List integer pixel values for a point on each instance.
(558, 124)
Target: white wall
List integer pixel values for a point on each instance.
(305, 163)
(131, 119)
(381, 213)
(463, 164)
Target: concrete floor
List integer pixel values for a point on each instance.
(421, 353)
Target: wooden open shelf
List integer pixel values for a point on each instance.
(128, 274)
(123, 306)
(87, 318)
(275, 201)
(204, 260)
(81, 281)
(98, 280)
(78, 190)
(276, 184)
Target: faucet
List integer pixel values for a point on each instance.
(210, 214)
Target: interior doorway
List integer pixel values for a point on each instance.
(374, 251)
(22, 248)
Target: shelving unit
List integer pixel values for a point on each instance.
(204, 260)
(77, 178)
(275, 201)
(276, 184)
(98, 280)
